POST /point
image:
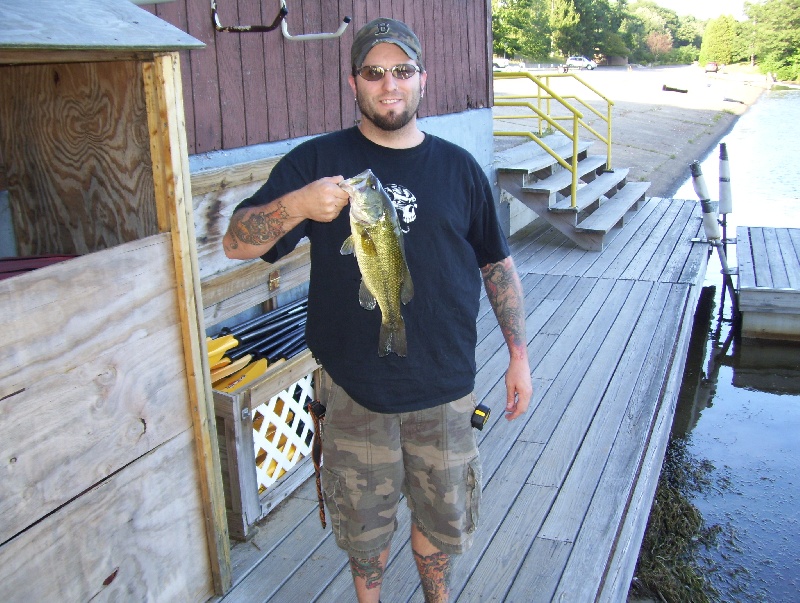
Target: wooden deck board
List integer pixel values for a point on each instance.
(790, 256)
(598, 463)
(769, 282)
(605, 331)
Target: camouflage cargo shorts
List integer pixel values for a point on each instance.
(370, 459)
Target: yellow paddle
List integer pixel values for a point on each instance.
(242, 377)
(218, 346)
(223, 371)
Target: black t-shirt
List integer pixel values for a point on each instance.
(446, 211)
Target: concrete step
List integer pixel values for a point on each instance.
(612, 213)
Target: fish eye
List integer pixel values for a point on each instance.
(374, 187)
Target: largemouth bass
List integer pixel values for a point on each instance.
(377, 242)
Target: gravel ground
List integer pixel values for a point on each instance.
(656, 132)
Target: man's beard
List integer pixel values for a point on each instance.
(392, 120)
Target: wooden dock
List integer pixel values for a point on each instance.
(567, 488)
(769, 282)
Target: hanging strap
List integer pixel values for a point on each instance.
(317, 412)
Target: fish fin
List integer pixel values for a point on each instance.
(365, 297)
(393, 338)
(368, 245)
(347, 246)
(407, 289)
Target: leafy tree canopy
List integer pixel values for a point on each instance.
(646, 32)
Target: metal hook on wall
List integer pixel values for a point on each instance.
(247, 28)
(319, 36)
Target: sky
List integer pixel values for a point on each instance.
(705, 9)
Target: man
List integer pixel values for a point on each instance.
(395, 424)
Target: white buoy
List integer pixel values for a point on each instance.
(725, 201)
(711, 228)
(710, 221)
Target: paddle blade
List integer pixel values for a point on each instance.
(243, 377)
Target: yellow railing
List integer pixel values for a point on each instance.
(542, 113)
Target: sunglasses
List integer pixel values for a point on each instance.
(373, 73)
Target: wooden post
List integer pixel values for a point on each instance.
(162, 79)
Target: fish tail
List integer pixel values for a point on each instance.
(393, 338)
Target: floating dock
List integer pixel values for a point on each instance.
(568, 487)
(769, 282)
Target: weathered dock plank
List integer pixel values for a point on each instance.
(568, 487)
(769, 282)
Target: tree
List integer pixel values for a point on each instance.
(563, 19)
(777, 37)
(719, 40)
(659, 43)
(521, 27)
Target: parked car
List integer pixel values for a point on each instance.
(712, 67)
(580, 63)
(500, 62)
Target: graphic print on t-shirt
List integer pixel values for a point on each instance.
(405, 203)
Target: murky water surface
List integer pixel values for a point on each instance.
(742, 412)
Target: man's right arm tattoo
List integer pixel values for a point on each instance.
(258, 227)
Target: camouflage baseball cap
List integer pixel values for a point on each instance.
(384, 30)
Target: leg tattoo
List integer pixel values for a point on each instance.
(369, 570)
(434, 572)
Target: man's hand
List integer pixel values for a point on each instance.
(254, 230)
(321, 200)
(518, 388)
(504, 290)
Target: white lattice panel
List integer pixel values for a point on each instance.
(282, 432)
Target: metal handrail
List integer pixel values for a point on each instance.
(543, 84)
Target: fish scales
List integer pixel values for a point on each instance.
(376, 240)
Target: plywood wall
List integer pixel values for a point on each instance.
(77, 156)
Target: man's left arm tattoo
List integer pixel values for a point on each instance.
(504, 291)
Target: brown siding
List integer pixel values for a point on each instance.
(250, 88)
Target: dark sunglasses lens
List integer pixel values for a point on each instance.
(404, 72)
(372, 73)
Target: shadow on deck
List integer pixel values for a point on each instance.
(567, 489)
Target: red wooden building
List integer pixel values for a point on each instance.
(246, 89)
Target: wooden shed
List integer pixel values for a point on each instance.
(125, 474)
(110, 481)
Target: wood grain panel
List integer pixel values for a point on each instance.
(92, 374)
(77, 156)
(119, 542)
(207, 119)
(298, 91)
(231, 87)
(332, 75)
(276, 78)
(176, 13)
(255, 115)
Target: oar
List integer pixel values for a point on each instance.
(278, 340)
(299, 347)
(224, 361)
(280, 352)
(262, 331)
(217, 347)
(264, 318)
(243, 377)
(221, 373)
(266, 341)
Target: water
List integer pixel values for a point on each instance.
(742, 411)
